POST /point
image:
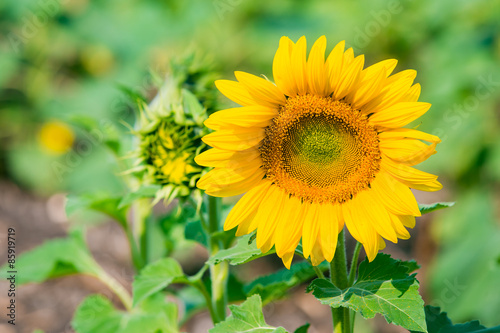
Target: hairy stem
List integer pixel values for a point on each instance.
(116, 287)
(219, 272)
(338, 276)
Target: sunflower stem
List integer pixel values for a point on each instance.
(354, 264)
(218, 272)
(338, 276)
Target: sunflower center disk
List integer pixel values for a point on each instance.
(320, 150)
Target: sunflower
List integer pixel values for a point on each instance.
(321, 147)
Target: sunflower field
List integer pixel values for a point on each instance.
(231, 166)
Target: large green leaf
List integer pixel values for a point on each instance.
(383, 286)
(247, 318)
(438, 322)
(54, 258)
(276, 285)
(243, 252)
(427, 208)
(156, 276)
(96, 314)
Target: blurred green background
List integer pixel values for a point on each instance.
(64, 60)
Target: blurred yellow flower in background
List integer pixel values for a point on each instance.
(56, 137)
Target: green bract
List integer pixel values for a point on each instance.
(170, 129)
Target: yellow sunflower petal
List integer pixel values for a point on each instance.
(247, 116)
(396, 196)
(399, 114)
(262, 91)
(282, 67)
(399, 227)
(235, 91)
(403, 133)
(235, 139)
(247, 205)
(317, 76)
(407, 151)
(411, 177)
(310, 229)
(286, 226)
(317, 256)
(236, 188)
(407, 220)
(220, 177)
(299, 65)
(226, 158)
(396, 86)
(349, 77)
(294, 225)
(376, 214)
(287, 259)
(356, 220)
(334, 64)
(388, 65)
(267, 215)
(328, 220)
(368, 87)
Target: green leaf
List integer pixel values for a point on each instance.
(427, 208)
(109, 206)
(241, 253)
(383, 286)
(55, 258)
(276, 285)
(438, 322)
(148, 191)
(155, 277)
(247, 318)
(303, 328)
(411, 266)
(96, 314)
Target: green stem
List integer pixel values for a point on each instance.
(318, 271)
(115, 287)
(219, 272)
(354, 264)
(201, 287)
(136, 255)
(352, 275)
(338, 276)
